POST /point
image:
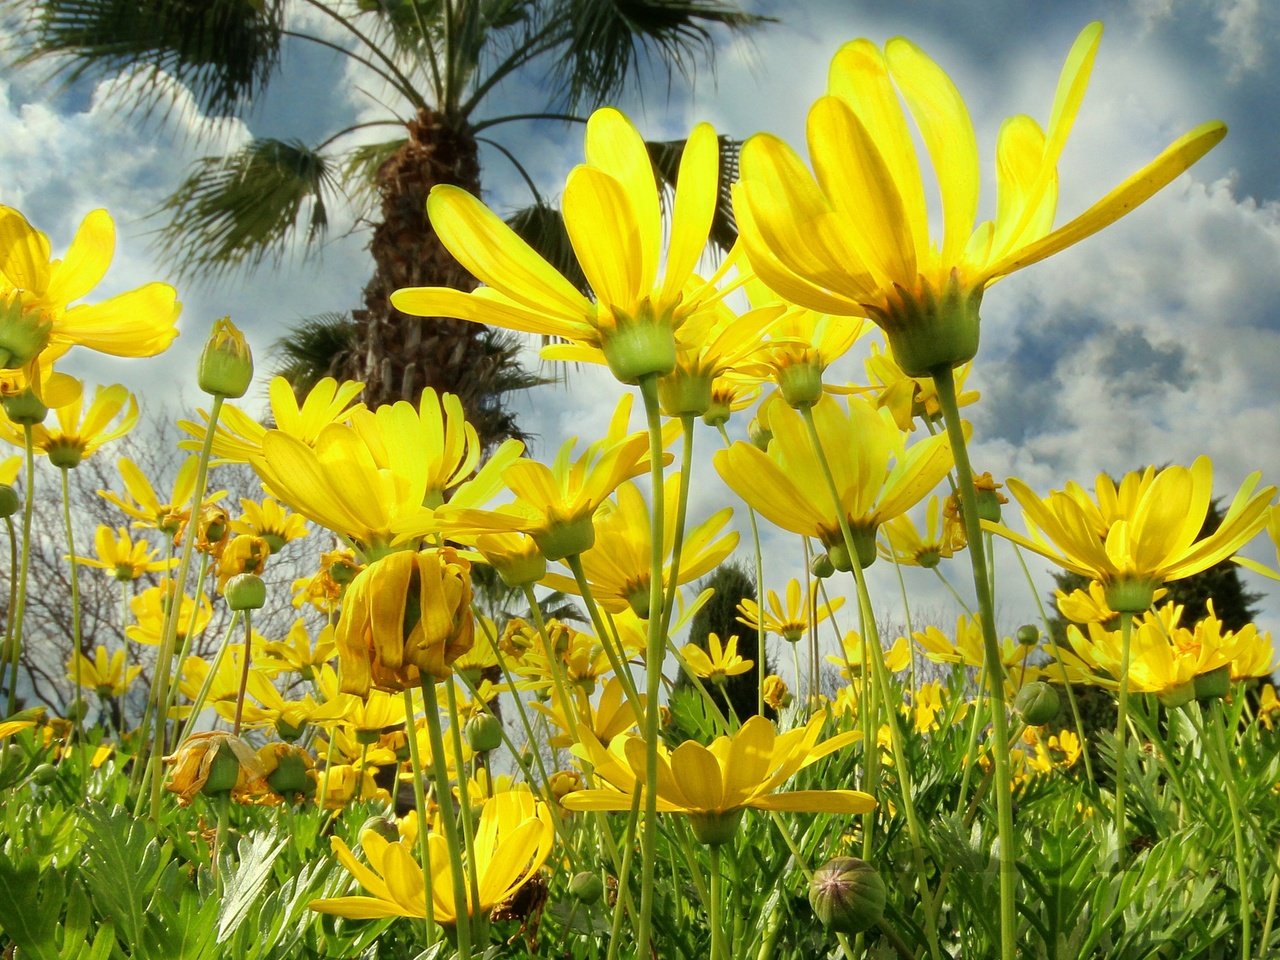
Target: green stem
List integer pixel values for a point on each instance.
(197, 705)
(718, 950)
(420, 811)
(1271, 904)
(189, 635)
(223, 801)
(77, 653)
(682, 513)
(13, 592)
(1226, 764)
(944, 382)
(448, 818)
(1122, 729)
(464, 799)
(164, 661)
(20, 601)
(612, 649)
(759, 561)
(244, 673)
(654, 649)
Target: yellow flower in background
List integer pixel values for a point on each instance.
(346, 783)
(149, 607)
(903, 543)
(896, 659)
(242, 554)
(910, 398)
(266, 706)
(238, 437)
(876, 474)
(718, 662)
(617, 567)
(79, 432)
(1139, 535)
(790, 621)
(141, 501)
(38, 323)
(323, 589)
(125, 559)
(296, 653)
(1060, 751)
(965, 645)
(1090, 606)
(712, 785)
(612, 213)
(613, 715)
(105, 673)
(775, 693)
(10, 467)
(268, 520)
(856, 241)
(1273, 531)
(405, 617)
(513, 838)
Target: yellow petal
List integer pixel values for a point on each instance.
(602, 227)
(139, 323)
(615, 147)
(817, 801)
(498, 257)
(1136, 189)
(699, 775)
(947, 132)
(86, 261)
(697, 190)
(24, 252)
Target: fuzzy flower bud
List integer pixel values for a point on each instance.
(847, 895)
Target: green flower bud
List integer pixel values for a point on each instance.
(224, 771)
(383, 827)
(290, 774)
(44, 774)
(25, 408)
(1037, 703)
(847, 895)
(9, 502)
(226, 364)
(483, 732)
(23, 333)
(1028, 635)
(245, 591)
(586, 887)
(822, 567)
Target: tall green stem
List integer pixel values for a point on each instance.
(448, 818)
(420, 811)
(164, 660)
(944, 382)
(76, 652)
(464, 800)
(654, 649)
(718, 951)
(20, 600)
(1122, 729)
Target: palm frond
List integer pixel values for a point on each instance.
(223, 51)
(608, 40)
(237, 211)
(665, 155)
(358, 172)
(315, 348)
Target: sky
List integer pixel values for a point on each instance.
(1152, 342)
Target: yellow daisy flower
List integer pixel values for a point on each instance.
(910, 398)
(80, 432)
(37, 322)
(149, 609)
(296, 653)
(1273, 531)
(718, 662)
(512, 841)
(787, 487)
(268, 520)
(105, 673)
(713, 785)
(141, 501)
(790, 621)
(903, 543)
(614, 714)
(127, 560)
(613, 217)
(1141, 534)
(856, 240)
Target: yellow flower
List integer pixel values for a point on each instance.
(790, 621)
(269, 521)
(512, 841)
(347, 782)
(617, 567)
(910, 398)
(776, 694)
(212, 762)
(242, 554)
(856, 241)
(902, 542)
(613, 715)
(1141, 534)
(612, 214)
(296, 652)
(966, 647)
(38, 324)
(1273, 531)
(10, 467)
(786, 485)
(897, 658)
(324, 588)
(717, 663)
(405, 617)
(238, 437)
(149, 610)
(141, 502)
(713, 785)
(76, 438)
(392, 465)
(125, 559)
(269, 708)
(108, 675)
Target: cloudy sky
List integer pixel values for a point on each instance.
(1153, 342)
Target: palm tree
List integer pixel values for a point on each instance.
(440, 62)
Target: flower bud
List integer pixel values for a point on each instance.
(383, 827)
(44, 774)
(9, 501)
(293, 771)
(586, 887)
(483, 732)
(1028, 635)
(246, 591)
(563, 782)
(1037, 703)
(25, 408)
(822, 567)
(847, 895)
(226, 364)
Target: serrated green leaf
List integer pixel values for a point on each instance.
(245, 884)
(123, 863)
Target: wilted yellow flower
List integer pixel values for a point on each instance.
(324, 588)
(242, 554)
(775, 692)
(405, 616)
(856, 241)
(212, 762)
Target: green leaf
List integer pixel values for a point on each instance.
(30, 904)
(123, 864)
(256, 853)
